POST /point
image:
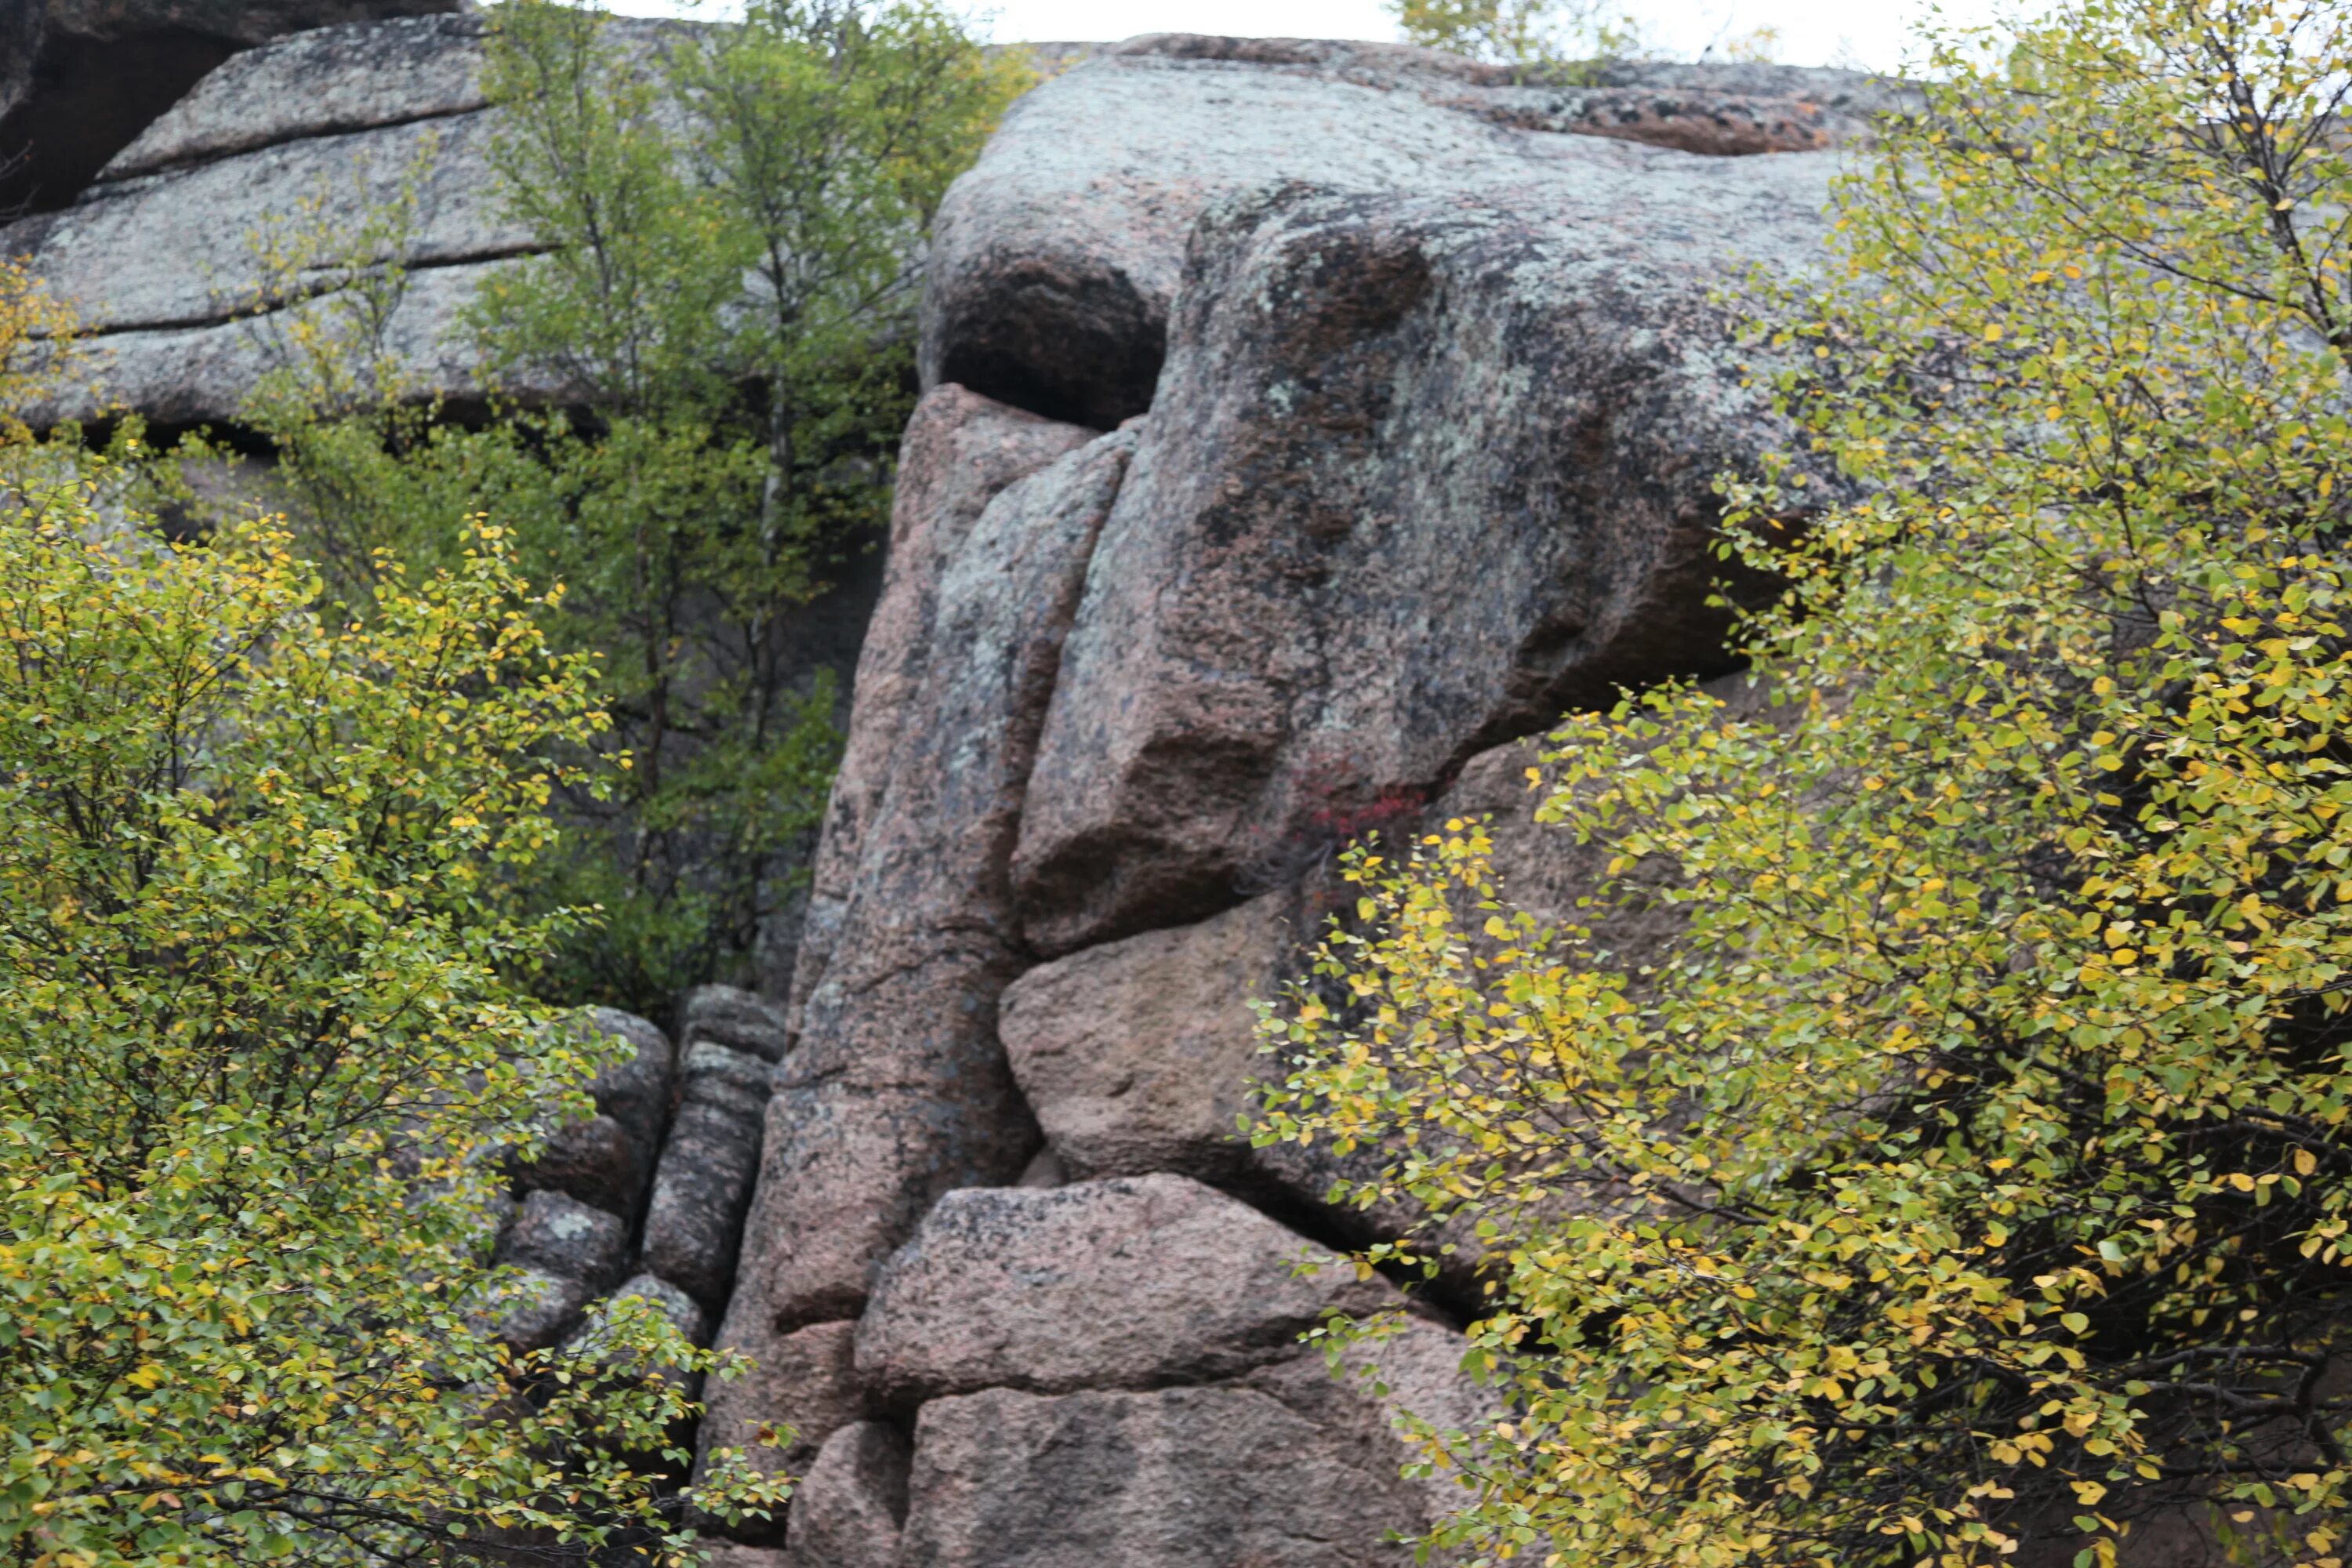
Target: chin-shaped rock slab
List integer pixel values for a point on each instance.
(1127, 1283)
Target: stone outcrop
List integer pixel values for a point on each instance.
(694, 1220)
(1353, 381)
(606, 1160)
(1305, 425)
(897, 1090)
(1421, 400)
(317, 134)
(806, 1381)
(1057, 259)
(960, 452)
(848, 1510)
(80, 79)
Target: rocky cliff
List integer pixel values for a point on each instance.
(79, 79)
(313, 135)
(1305, 425)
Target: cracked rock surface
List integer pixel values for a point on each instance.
(306, 135)
(1305, 425)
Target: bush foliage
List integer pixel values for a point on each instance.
(1976, 1171)
(258, 1052)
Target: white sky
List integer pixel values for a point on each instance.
(1872, 34)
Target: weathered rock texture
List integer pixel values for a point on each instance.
(1420, 402)
(1305, 425)
(897, 1090)
(737, 1019)
(607, 1159)
(1140, 1054)
(557, 1234)
(960, 452)
(1136, 1055)
(694, 1221)
(806, 1381)
(307, 136)
(573, 1235)
(1279, 1468)
(1058, 259)
(1119, 1284)
(848, 1510)
(1288, 628)
(80, 79)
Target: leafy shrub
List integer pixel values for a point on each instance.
(257, 1048)
(1976, 1171)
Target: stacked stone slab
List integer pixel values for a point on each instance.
(644, 1197)
(570, 1240)
(1307, 423)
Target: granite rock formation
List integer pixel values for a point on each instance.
(694, 1220)
(1132, 1283)
(805, 1382)
(307, 136)
(1305, 425)
(1058, 260)
(79, 79)
(852, 1505)
(898, 1091)
(1417, 396)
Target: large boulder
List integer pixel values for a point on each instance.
(1423, 471)
(1285, 1466)
(1128, 1283)
(960, 450)
(1058, 258)
(1137, 1055)
(607, 1159)
(1143, 1054)
(557, 1234)
(81, 79)
(531, 1309)
(738, 1020)
(897, 1090)
(847, 1509)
